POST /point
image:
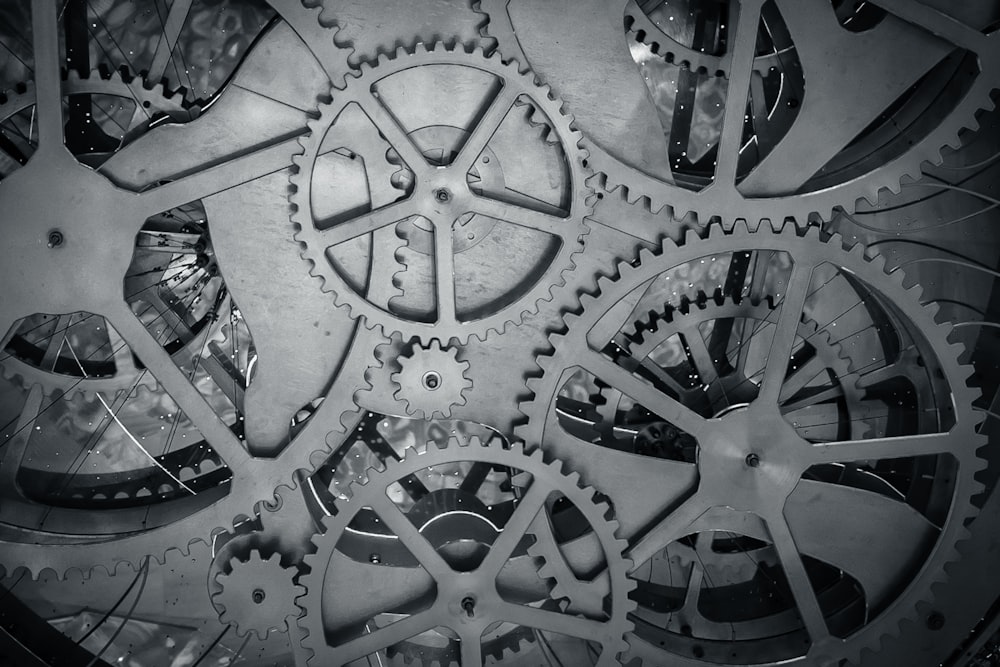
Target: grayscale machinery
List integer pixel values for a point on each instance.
(521, 332)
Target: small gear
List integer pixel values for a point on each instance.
(431, 380)
(534, 225)
(258, 595)
(470, 593)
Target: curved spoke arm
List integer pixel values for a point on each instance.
(554, 621)
(529, 218)
(940, 24)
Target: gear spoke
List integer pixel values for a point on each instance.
(386, 636)
(670, 529)
(487, 125)
(939, 23)
(231, 173)
(408, 534)
(744, 47)
(48, 82)
(389, 127)
(894, 447)
(162, 366)
(367, 223)
(666, 407)
(553, 621)
(800, 377)
(798, 580)
(528, 218)
(515, 529)
(785, 332)
(472, 647)
(444, 271)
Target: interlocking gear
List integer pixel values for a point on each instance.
(258, 595)
(456, 582)
(431, 380)
(789, 490)
(465, 176)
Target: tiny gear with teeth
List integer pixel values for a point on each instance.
(431, 380)
(258, 594)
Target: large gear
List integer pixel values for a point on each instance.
(694, 490)
(473, 587)
(431, 380)
(951, 49)
(442, 190)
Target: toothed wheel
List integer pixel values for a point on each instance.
(479, 217)
(258, 595)
(431, 380)
(431, 550)
(861, 526)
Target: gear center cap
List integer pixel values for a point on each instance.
(752, 460)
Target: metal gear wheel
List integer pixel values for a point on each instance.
(258, 595)
(460, 587)
(447, 156)
(431, 380)
(805, 501)
(778, 174)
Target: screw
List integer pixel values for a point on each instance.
(753, 460)
(375, 559)
(257, 595)
(55, 238)
(469, 605)
(442, 195)
(935, 621)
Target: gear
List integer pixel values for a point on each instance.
(846, 289)
(779, 174)
(445, 188)
(471, 594)
(431, 380)
(258, 595)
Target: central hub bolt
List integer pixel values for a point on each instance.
(753, 460)
(257, 596)
(432, 380)
(442, 195)
(55, 238)
(469, 605)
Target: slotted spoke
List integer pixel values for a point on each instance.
(785, 332)
(487, 126)
(411, 537)
(666, 407)
(798, 580)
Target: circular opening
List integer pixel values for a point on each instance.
(257, 595)
(432, 380)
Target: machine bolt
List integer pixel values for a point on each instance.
(753, 460)
(257, 596)
(55, 238)
(469, 605)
